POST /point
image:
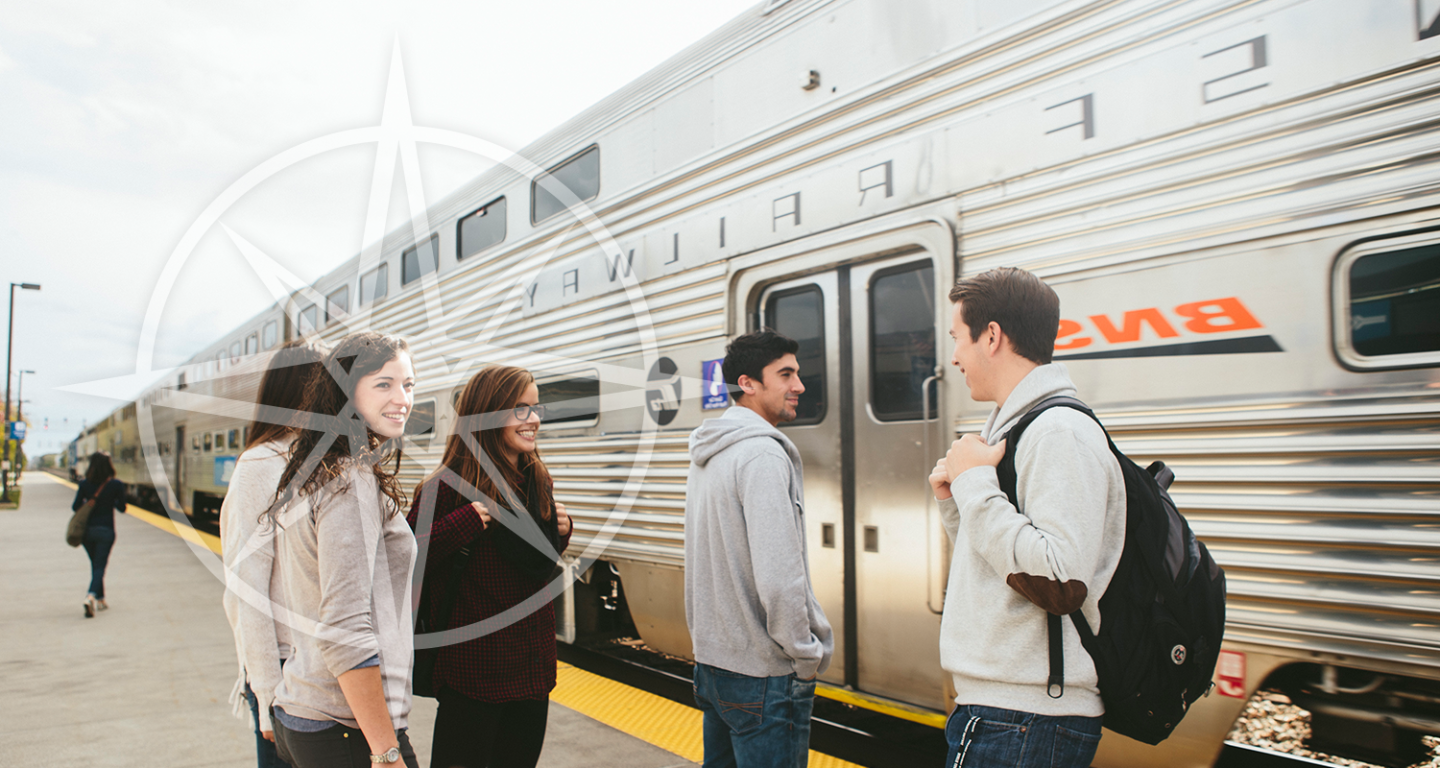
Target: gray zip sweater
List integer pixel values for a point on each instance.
(1059, 549)
(748, 600)
(346, 564)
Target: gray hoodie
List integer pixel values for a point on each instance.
(748, 600)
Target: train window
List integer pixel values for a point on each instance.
(374, 284)
(195, 443)
(309, 320)
(270, 334)
(337, 304)
(208, 445)
(1390, 305)
(481, 229)
(419, 260)
(234, 439)
(235, 353)
(902, 340)
(252, 344)
(800, 314)
(580, 174)
(420, 427)
(219, 441)
(180, 381)
(573, 400)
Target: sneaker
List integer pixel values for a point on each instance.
(89, 607)
(100, 604)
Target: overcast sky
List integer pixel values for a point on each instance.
(123, 121)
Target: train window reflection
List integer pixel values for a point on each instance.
(579, 174)
(481, 229)
(902, 340)
(419, 260)
(337, 304)
(271, 334)
(374, 284)
(573, 399)
(309, 320)
(420, 427)
(1395, 302)
(252, 344)
(800, 314)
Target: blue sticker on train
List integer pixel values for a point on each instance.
(716, 394)
(224, 468)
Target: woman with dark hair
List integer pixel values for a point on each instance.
(253, 587)
(109, 494)
(493, 689)
(346, 558)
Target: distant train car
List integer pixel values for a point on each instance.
(1238, 203)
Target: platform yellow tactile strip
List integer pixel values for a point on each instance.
(206, 540)
(669, 725)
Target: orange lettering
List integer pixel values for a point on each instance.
(1204, 314)
(1070, 328)
(1132, 325)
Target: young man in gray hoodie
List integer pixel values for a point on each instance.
(1011, 567)
(758, 633)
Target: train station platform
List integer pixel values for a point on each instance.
(146, 682)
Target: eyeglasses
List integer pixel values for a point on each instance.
(522, 412)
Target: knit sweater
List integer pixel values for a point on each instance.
(346, 564)
(1059, 549)
(253, 588)
(748, 600)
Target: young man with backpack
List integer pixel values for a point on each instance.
(1053, 551)
(759, 635)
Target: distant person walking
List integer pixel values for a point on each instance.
(253, 589)
(760, 637)
(346, 558)
(493, 690)
(109, 494)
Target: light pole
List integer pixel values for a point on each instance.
(9, 348)
(20, 396)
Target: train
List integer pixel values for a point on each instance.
(1237, 201)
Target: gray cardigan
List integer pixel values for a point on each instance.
(346, 564)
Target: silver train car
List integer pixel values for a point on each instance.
(1235, 199)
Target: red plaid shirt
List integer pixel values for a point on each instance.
(511, 664)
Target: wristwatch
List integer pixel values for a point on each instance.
(391, 755)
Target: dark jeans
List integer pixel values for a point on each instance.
(479, 734)
(334, 747)
(98, 542)
(754, 721)
(981, 737)
(265, 752)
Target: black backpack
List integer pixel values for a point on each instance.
(1164, 610)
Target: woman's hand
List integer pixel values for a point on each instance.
(562, 519)
(940, 481)
(482, 512)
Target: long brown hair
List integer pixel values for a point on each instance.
(332, 435)
(100, 470)
(282, 390)
(483, 409)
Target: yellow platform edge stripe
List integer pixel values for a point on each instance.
(657, 720)
(206, 540)
(883, 706)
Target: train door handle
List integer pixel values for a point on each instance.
(872, 539)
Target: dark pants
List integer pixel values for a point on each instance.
(480, 734)
(754, 721)
(98, 542)
(265, 752)
(981, 737)
(334, 747)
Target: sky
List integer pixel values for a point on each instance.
(122, 122)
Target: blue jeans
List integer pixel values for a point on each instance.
(754, 721)
(981, 737)
(98, 542)
(265, 752)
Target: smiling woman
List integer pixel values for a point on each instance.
(338, 508)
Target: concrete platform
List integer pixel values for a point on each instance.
(145, 683)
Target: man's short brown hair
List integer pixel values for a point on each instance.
(1022, 304)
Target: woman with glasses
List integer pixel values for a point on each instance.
(488, 523)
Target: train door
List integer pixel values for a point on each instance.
(868, 431)
(179, 480)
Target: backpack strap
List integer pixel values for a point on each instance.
(1008, 477)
